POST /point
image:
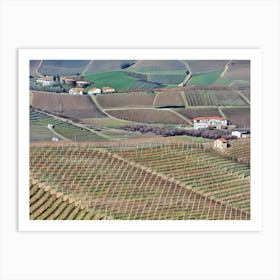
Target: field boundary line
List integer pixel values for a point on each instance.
(188, 76)
(244, 97)
(221, 112)
(59, 135)
(225, 69)
(179, 115)
(182, 93)
(155, 99)
(87, 67)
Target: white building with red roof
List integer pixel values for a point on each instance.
(108, 90)
(94, 91)
(205, 122)
(76, 91)
(46, 81)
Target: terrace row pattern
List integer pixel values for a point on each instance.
(104, 182)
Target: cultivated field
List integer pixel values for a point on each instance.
(147, 116)
(169, 99)
(215, 97)
(239, 70)
(71, 106)
(192, 112)
(65, 67)
(239, 150)
(239, 116)
(126, 100)
(200, 66)
(39, 122)
(147, 66)
(146, 182)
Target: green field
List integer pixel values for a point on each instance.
(40, 121)
(205, 78)
(115, 79)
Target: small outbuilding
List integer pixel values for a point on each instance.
(94, 91)
(221, 144)
(244, 133)
(108, 90)
(76, 91)
(83, 84)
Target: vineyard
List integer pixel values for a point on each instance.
(240, 150)
(71, 106)
(126, 100)
(169, 99)
(136, 182)
(160, 77)
(39, 122)
(147, 116)
(239, 116)
(199, 66)
(207, 97)
(191, 112)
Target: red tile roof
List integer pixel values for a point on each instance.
(222, 140)
(92, 89)
(209, 118)
(77, 89)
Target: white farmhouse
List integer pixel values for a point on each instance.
(220, 144)
(205, 122)
(108, 90)
(241, 133)
(76, 91)
(46, 81)
(94, 91)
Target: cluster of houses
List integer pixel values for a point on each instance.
(93, 91)
(219, 123)
(78, 85)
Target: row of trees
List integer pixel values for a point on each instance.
(165, 132)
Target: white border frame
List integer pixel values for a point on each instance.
(255, 224)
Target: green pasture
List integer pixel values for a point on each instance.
(115, 79)
(208, 78)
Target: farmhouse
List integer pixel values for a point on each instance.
(241, 133)
(220, 144)
(76, 91)
(83, 84)
(68, 81)
(46, 81)
(108, 90)
(215, 122)
(94, 91)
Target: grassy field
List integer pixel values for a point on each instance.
(39, 122)
(207, 78)
(115, 79)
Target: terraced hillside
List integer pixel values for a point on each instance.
(39, 130)
(144, 181)
(148, 116)
(126, 100)
(214, 97)
(192, 112)
(239, 116)
(221, 179)
(67, 105)
(47, 204)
